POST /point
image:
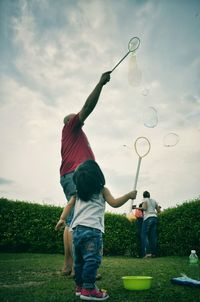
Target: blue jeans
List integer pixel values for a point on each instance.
(69, 189)
(139, 223)
(149, 236)
(88, 247)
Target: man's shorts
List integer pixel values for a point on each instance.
(69, 189)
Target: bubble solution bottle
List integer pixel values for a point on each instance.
(193, 265)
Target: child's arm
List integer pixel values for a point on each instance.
(65, 213)
(118, 202)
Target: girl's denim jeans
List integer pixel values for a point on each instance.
(88, 247)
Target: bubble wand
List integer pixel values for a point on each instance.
(144, 143)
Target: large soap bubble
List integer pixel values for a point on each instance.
(134, 72)
(150, 117)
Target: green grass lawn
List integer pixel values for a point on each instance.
(36, 277)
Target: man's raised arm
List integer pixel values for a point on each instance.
(94, 97)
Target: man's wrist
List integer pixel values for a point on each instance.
(100, 84)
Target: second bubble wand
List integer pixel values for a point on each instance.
(142, 147)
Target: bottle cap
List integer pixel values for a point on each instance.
(193, 251)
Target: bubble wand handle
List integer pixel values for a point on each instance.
(120, 61)
(137, 172)
(136, 180)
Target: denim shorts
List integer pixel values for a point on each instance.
(69, 189)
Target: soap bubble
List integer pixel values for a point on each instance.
(145, 91)
(150, 117)
(134, 72)
(171, 139)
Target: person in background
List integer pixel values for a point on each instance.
(149, 227)
(139, 221)
(75, 149)
(88, 226)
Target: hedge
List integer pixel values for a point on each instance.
(179, 229)
(28, 227)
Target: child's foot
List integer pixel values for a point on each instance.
(93, 295)
(78, 291)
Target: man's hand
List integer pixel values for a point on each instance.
(105, 78)
(133, 194)
(61, 223)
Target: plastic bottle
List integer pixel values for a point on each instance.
(193, 265)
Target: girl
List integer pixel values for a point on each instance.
(88, 225)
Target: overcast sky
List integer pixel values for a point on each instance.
(52, 54)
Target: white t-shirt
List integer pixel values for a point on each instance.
(89, 213)
(151, 208)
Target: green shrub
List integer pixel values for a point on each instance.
(118, 235)
(27, 227)
(179, 229)
(30, 227)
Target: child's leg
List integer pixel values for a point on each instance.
(78, 260)
(87, 258)
(87, 254)
(92, 256)
(80, 238)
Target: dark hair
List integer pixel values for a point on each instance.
(88, 179)
(146, 194)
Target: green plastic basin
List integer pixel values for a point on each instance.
(137, 282)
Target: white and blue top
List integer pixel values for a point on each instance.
(89, 213)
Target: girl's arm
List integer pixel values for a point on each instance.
(117, 202)
(65, 213)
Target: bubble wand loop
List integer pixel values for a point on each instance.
(133, 44)
(145, 141)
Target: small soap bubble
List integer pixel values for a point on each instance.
(171, 139)
(145, 91)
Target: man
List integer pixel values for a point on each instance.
(138, 213)
(75, 149)
(149, 227)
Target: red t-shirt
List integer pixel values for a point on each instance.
(75, 147)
